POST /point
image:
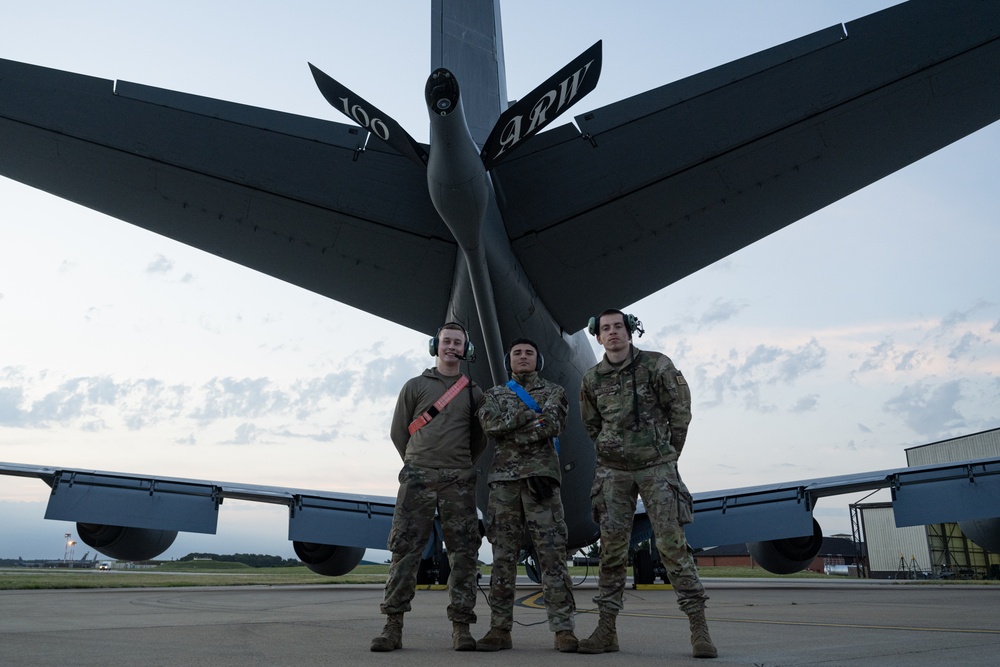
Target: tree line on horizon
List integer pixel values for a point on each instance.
(253, 560)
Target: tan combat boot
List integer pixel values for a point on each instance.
(461, 638)
(495, 640)
(701, 642)
(392, 635)
(566, 641)
(604, 639)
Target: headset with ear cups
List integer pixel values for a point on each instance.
(632, 323)
(539, 362)
(468, 352)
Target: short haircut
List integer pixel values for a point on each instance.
(613, 311)
(453, 326)
(522, 341)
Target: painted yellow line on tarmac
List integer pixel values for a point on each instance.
(534, 601)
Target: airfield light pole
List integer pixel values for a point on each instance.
(68, 553)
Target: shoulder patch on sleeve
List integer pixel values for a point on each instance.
(680, 379)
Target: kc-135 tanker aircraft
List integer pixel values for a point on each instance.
(498, 225)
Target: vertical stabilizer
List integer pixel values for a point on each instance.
(466, 39)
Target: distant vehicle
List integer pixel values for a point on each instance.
(105, 565)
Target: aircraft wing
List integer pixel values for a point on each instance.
(308, 201)
(192, 505)
(693, 171)
(921, 495)
(686, 174)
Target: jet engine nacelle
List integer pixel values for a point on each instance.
(126, 543)
(787, 555)
(329, 560)
(984, 532)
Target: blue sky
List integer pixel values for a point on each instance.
(826, 348)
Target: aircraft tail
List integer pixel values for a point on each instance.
(469, 44)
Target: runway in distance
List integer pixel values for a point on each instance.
(697, 170)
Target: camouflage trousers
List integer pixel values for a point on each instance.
(614, 500)
(452, 492)
(511, 510)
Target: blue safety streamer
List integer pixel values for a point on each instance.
(523, 394)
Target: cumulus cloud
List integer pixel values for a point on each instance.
(160, 264)
(721, 310)
(908, 361)
(66, 403)
(876, 356)
(885, 355)
(806, 403)
(964, 345)
(243, 397)
(81, 400)
(329, 435)
(382, 378)
(246, 434)
(957, 317)
(796, 363)
(11, 399)
(311, 393)
(774, 364)
(256, 410)
(762, 355)
(928, 411)
(745, 376)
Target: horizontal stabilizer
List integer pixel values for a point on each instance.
(369, 117)
(542, 105)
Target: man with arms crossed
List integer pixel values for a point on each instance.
(436, 432)
(525, 417)
(636, 407)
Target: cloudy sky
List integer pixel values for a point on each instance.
(827, 348)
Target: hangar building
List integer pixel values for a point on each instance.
(934, 551)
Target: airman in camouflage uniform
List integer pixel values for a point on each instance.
(524, 495)
(636, 407)
(437, 474)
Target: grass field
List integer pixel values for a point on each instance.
(210, 573)
(182, 574)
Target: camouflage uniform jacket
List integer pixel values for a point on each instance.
(446, 441)
(524, 446)
(606, 405)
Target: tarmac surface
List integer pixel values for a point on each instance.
(760, 622)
